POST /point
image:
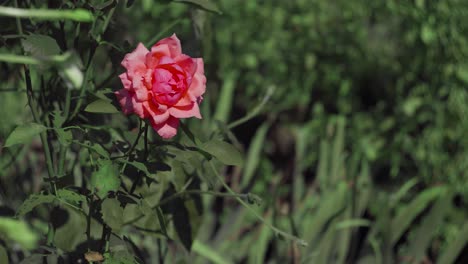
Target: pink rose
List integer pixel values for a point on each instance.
(162, 85)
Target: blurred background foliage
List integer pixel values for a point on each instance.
(361, 143)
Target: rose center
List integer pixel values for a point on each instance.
(169, 84)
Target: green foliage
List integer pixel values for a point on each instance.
(112, 214)
(208, 5)
(40, 46)
(105, 179)
(224, 152)
(3, 255)
(24, 133)
(32, 201)
(18, 231)
(351, 115)
(78, 14)
(101, 106)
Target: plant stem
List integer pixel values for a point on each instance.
(186, 192)
(276, 230)
(88, 222)
(145, 156)
(85, 82)
(35, 114)
(255, 111)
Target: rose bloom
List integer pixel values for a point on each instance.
(162, 85)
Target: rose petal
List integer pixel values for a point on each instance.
(174, 45)
(184, 101)
(188, 64)
(198, 86)
(186, 111)
(125, 81)
(165, 60)
(162, 75)
(138, 108)
(135, 61)
(125, 100)
(168, 129)
(141, 94)
(157, 116)
(157, 52)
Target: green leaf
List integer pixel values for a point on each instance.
(399, 195)
(258, 253)
(428, 35)
(210, 254)
(224, 152)
(406, 216)
(33, 259)
(78, 14)
(73, 232)
(424, 234)
(71, 71)
(65, 137)
(254, 154)
(223, 108)
(120, 257)
(18, 231)
(40, 45)
(3, 255)
(454, 248)
(208, 5)
(140, 166)
(32, 201)
(352, 223)
(58, 118)
(112, 214)
(99, 150)
(70, 196)
(462, 72)
(105, 179)
(101, 106)
(186, 215)
(24, 133)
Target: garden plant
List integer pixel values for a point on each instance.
(230, 131)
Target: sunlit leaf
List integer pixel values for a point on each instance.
(18, 231)
(105, 179)
(77, 14)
